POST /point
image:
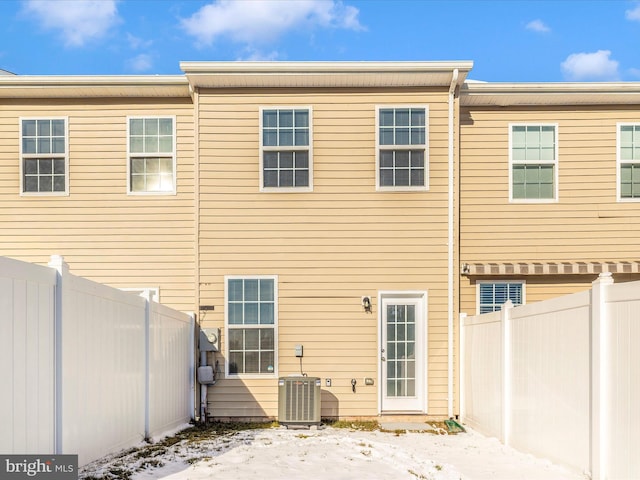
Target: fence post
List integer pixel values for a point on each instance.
(147, 364)
(505, 319)
(599, 369)
(57, 262)
(461, 375)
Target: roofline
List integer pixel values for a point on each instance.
(70, 86)
(549, 93)
(323, 74)
(323, 67)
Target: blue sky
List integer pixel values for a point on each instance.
(508, 40)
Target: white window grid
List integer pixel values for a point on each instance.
(621, 159)
(297, 152)
(149, 161)
(55, 163)
(252, 326)
(554, 162)
(402, 147)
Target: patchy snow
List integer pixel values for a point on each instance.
(328, 453)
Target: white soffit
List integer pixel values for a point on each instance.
(515, 94)
(323, 74)
(18, 86)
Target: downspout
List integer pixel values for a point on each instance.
(450, 244)
(195, 95)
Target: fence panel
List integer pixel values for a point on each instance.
(571, 389)
(27, 376)
(550, 379)
(623, 313)
(103, 366)
(171, 338)
(483, 377)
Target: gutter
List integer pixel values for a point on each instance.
(450, 245)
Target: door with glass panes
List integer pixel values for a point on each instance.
(403, 352)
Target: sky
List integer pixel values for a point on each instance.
(508, 40)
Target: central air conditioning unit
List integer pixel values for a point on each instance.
(299, 400)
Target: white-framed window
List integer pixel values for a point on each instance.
(402, 155)
(286, 156)
(493, 294)
(44, 161)
(151, 155)
(533, 162)
(628, 156)
(251, 318)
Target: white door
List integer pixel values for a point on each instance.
(403, 352)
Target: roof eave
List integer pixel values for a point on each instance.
(323, 74)
(93, 86)
(523, 94)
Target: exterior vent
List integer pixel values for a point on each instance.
(299, 400)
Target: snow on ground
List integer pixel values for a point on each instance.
(328, 453)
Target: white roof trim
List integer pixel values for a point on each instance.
(32, 86)
(324, 74)
(569, 93)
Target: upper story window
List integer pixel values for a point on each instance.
(251, 318)
(533, 156)
(402, 148)
(286, 156)
(492, 295)
(628, 162)
(152, 159)
(44, 160)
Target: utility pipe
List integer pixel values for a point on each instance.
(450, 243)
(203, 390)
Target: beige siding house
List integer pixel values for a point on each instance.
(353, 209)
(549, 189)
(321, 184)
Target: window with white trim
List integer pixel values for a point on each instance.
(492, 295)
(402, 148)
(286, 157)
(534, 162)
(152, 155)
(629, 161)
(44, 161)
(251, 318)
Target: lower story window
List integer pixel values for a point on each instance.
(251, 314)
(152, 174)
(402, 168)
(286, 168)
(44, 175)
(492, 295)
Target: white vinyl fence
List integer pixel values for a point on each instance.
(87, 369)
(560, 379)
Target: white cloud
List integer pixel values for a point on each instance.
(135, 43)
(78, 20)
(633, 14)
(141, 63)
(256, 21)
(537, 26)
(590, 66)
(253, 55)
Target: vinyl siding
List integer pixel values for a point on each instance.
(586, 224)
(328, 247)
(104, 234)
